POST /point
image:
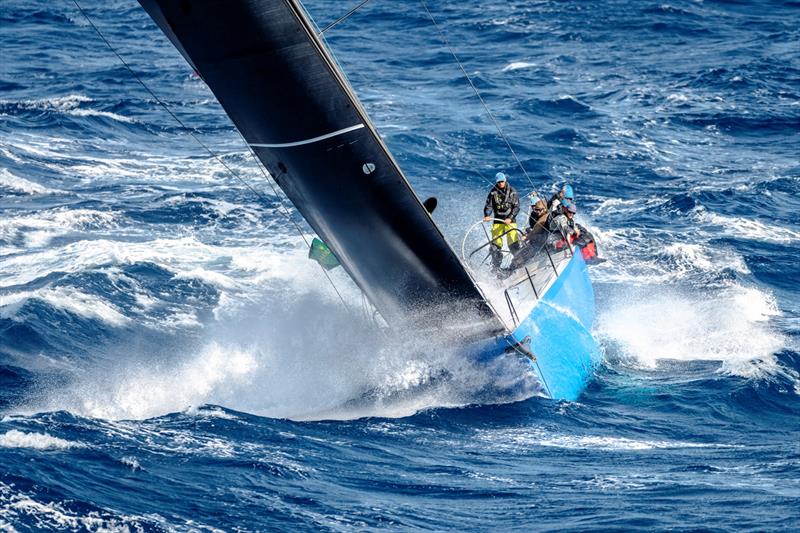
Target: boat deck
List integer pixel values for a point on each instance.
(514, 298)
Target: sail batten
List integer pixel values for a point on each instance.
(275, 79)
(309, 141)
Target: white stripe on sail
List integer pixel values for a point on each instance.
(309, 141)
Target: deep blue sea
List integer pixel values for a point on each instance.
(170, 360)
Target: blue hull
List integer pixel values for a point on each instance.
(559, 327)
(557, 332)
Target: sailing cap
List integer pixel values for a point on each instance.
(569, 205)
(568, 191)
(500, 177)
(534, 198)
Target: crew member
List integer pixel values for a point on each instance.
(564, 193)
(539, 215)
(502, 204)
(564, 222)
(535, 236)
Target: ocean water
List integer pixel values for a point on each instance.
(171, 361)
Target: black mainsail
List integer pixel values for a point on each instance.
(271, 73)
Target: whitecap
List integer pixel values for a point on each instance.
(208, 276)
(516, 65)
(210, 412)
(702, 258)
(23, 508)
(749, 228)
(678, 98)
(104, 114)
(131, 462)
(525, 438)
(69, 105)
(627, 206)
(67, 299)
(730, 324)
(10, 181)
(39, 229)
(36, 441)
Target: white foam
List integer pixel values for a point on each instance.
(67, 299)
(212, 278)
(730, 324)
(180, 320)
(210, 412)
(62, 157)
(36, 441)
(19, 507)
(104, 114)
(38, 230)
(657, 257)
(148, 391)
(618, 205)
(69, 105)
(525, 438)
(618, 443)
(516, 65)
(8, 180)
(747, 228)
(702, 258)
(131, 462)
(678, 98)
(306, 358)
(179, 255)
(239, 272)
(220, 207)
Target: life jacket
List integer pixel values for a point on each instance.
(556, 224)
(503, 202)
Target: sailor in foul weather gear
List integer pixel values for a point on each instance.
(564, 222)
(564, 193)
(536, 234)
(585, 241)
(502, 204)
(538, 217)
(538, 230)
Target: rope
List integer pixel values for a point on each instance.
(342, 18)
(244, 182)
(477, 93)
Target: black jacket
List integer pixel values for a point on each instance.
(503, 202)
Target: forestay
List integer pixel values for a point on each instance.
(273, 76)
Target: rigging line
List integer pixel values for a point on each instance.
(288, 215)
(541, 375)
(263, 198)
(320, 33)
(342, 18)
(478, 94)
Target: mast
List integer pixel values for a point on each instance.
(284, 92)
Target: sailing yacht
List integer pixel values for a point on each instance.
(267, 65)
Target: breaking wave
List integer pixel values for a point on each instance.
(730, 324)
